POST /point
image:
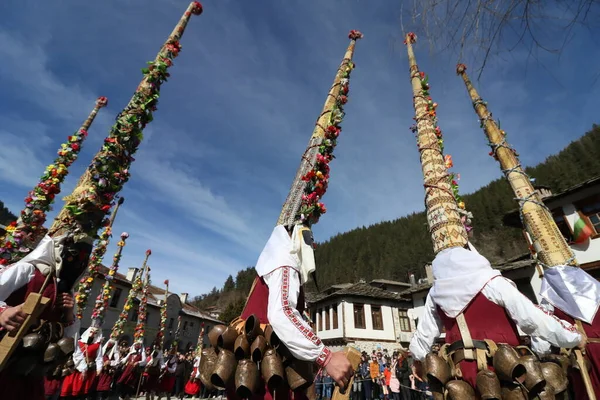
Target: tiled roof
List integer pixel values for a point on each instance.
(416, 289)
(390, 282)
(356, 290)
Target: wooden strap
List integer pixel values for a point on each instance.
(579, 326)
(466, 337)
(251, 291)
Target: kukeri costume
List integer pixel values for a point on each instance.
(154, 365)
(192, 387)
(568, 290)
(270, 350)
(133, 363)
(478, 308)
(51, 268)
(167, 381)
(88, 359)
(110, 362)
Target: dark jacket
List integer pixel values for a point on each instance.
(403, 372)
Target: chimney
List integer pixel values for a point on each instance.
(411, 279)
(183, 297)
(131, 273)
(429, 273)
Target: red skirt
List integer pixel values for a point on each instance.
(51, 386)
(129, 377)
(104, 382)
(76, 385)
(16, 387)
(192, 387)
(167, 383)
(593, 354)
(151, 383)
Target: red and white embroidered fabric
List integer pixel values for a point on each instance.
(303, 343)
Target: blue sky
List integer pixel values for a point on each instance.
(216, 164)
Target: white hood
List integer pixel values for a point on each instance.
(85, 335)
(572, 290)
(283, 251)
(459, 275)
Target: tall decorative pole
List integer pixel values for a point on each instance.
(575, 299)
(140, 327)
(94, 195)
(175, 343)
(24, 234)
(86, 283)
(549, 244)
(200, 340)
(104, 295)
(445, 223)
(310, 184)
(160, 336)
(136, 287)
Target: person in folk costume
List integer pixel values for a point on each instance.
(568, 292)
(88, 359)
(193, 385)
(167, 380)
(287, 260)
(155, 363)
(473, 302)
(52, 268)
(111, 360)
(132, 362)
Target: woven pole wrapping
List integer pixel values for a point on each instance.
(548, 243)
(445, 225)
(160, 336)
(136, 287)
(94, 195)
(24, 234)
(140, 327)
(87, 281)
(293, 209)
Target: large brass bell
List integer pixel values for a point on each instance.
(224, 371)
(534, 379)
(488, 385)
(258, 348)
(33, 341)
(247, 378)
(547, 394)
(214, 334)
(271, 337)
(227, 338)
(66, 345)
(562, 360)
(460, 390)
(252, 328)
(271, 369)
(51, 352)
(241, 347)
(208, 361)
(507, 364)
(438, 370)
(555, 376)
(299, 374)
(513, 392)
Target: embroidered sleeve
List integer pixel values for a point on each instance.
(531, 319)
(14, 277)
(288, 324)
(428, 330)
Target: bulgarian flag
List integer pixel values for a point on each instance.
(582, 231)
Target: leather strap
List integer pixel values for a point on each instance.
(466, 337)
(458, 345)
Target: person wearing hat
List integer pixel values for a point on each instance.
(129, 379)
(110, 361)
(51, 269)
(88, 359)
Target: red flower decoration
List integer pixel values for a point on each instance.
(410, 38)
(355, 35)
(101, 102)
(197, 8)
(460, 68)
(166, 281)
(148, 252)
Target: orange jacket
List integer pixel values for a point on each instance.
(374, 369)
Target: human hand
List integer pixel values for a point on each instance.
(12, 318)
(583, 343)
(66, 301)
(340, 369)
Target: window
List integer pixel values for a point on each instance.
(171, 322)
(335, 316)
(404, 320)
(377, 318)
(191, 325)
(327, 321)
(590, 208)
(359, 316)
(115, 297)
(563, 225)
(185, 325)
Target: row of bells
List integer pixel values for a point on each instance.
(516, 377)
(244, 352)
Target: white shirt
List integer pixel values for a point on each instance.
(526, 315)
(79, 359)
(288, 324)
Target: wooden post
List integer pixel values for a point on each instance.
(23, 235)
(85, 285)
(550, 246)
(445, 224)
(93, 197)
(309, 185)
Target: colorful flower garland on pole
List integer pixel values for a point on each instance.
(200, 340)
(136, 287)
(104, 295)
(163, 318)
(140, 327)
(303, 203)
(24, 234)
(86, 283)
(431, 110)
(93, 197)
(175, 343)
